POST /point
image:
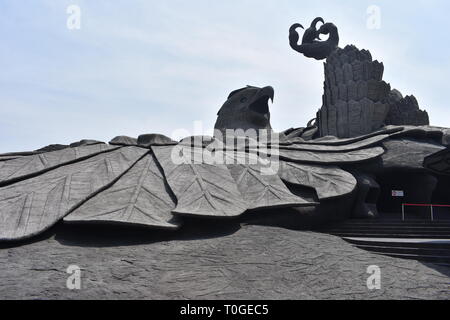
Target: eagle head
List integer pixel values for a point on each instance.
(246, 108)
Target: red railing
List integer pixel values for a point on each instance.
(423, 205)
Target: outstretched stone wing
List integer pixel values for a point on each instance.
(31, 206)
(334, 141)
(439, 162)
(331, 157)
(139, 197)
(136, 186)
(262, 190)
(366, 143)
(6, 157)
(328, 181)
(33, 165)
(203, 188)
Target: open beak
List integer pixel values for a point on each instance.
(268, 92)
(260, 100)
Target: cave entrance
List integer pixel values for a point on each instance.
(402, 187)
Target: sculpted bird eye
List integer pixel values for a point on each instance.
(244, 99)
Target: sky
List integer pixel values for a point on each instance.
(144, 66)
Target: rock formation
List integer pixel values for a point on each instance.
(405, 111)
(355, 100)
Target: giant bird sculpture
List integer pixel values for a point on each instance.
(157, 183)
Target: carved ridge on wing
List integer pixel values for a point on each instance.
(139, 197)
(264, 191)
(329, 182)
(56, 193)
(28, 167)
(331, 157)
(390, 130)
(369, 142)
(201, 189)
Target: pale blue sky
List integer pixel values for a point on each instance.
(143, 66)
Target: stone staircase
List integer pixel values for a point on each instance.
(414, 239)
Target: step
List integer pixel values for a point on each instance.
(404, 243)
(395, 223)
(397, 227)
(428, 258)
(444, 233)
(372, 227)
(413, 222)
(443, 264)
(399, 219)
(421, 240)
(391, 225)
(405, 250)
(384, 235)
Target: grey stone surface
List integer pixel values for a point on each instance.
(140, 197)
(152, 139)
(331, 157)
(407, 154)
(342, 118)
(310, 133)
(201, 141)
(201, 189)
(355, 96)
(406, 111)
(85, 142)
(446, 137)
(53, 147)
(366, 198)
(439, 162)
(357, 101)
(28, 166)
(292, 133)
(19, 154)
(124, 141)
(7, 158)
(328, 181)
(392, 131)
(29, 207)
(369, 142)
(226, 263)
(264, 191)
(395, 96)
(436, 134)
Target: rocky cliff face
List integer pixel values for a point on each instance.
(356, 100)
(405, 111)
